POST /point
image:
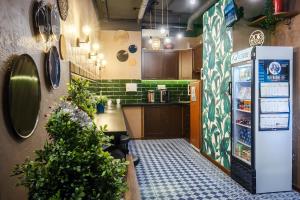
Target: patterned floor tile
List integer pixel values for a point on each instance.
(172, 170)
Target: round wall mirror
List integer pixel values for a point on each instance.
(24, 95)
(53, 67)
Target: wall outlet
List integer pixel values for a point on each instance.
(161, 87)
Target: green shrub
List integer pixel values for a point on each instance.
(102, 100)
(79, 94)
(73, 165)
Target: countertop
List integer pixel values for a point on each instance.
(114, 119)
(113, 116)
(157, 103)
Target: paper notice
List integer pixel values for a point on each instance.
(269, 105)
(280, 89)
(274, 121)
(193, 93)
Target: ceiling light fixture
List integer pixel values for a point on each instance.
(179, 35)
(167, 40)
(193, 2)
(163, 30)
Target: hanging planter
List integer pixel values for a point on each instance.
(278, 6)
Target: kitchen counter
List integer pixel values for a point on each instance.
(156, 103)
(113, 117)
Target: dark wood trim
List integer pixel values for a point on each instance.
(296, 188)
(226, 171)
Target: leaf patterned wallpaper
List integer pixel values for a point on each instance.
(216, 106)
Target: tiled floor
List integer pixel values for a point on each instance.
(171, 169)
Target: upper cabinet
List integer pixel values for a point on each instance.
(197, 60)
(186, 64)
(152, 65)
(160, 65)
(172, 64)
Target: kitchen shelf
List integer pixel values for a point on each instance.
(245, 111)
(280, 15)
(242, 159)
(243, 143)
(247, 126)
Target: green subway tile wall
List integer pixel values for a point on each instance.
(116, 89)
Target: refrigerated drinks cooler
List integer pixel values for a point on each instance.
(261, 156)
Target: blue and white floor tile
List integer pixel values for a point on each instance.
(172, 170)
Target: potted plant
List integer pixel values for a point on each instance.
(73, 165)
(101, 102)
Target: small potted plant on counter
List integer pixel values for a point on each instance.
(101, 102)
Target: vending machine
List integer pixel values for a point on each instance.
(261, 141)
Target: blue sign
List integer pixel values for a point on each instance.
(230, 13)
(273, 70)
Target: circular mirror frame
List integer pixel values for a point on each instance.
(24, 103)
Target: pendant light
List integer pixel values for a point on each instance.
(150, 38)
(179, 34)
(162, 29)
(193, 2)
(167, 39)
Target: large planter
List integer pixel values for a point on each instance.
(100, 108)
(278, 6)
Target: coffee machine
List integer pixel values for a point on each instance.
(164, 96)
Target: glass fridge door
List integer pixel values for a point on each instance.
(241, 105)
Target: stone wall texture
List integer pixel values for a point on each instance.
(16, 38)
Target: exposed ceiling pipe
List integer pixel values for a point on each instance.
(143, 9)
(198, 13)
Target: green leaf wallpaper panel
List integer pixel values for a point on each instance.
(216, 104)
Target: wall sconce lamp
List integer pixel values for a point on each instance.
(92, 56)
(96, 47)
(86, 31)
(101, 63)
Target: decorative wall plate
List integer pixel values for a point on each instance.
(53, 67)
(122, 56)
(54, 21)
(132, 61)
(63, 7)
(41, 21)
(24, 95)
(121, 36)
(63, 47)
(132, 48)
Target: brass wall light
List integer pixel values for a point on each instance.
(86, 31)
